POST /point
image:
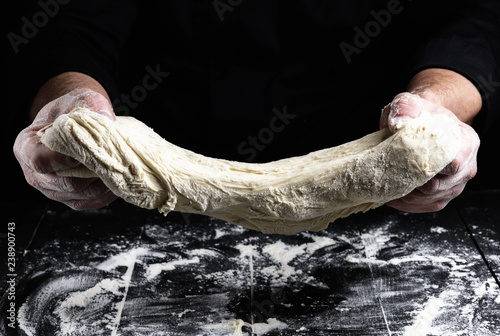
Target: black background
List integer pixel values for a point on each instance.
(14, 119)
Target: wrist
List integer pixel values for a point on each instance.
(60, 85)
(448, 89)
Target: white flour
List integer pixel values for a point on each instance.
(461, 292)
(374, 241)
(234, 327)
(24, 321)
(282, 254)
(101, 295)
(278, 264)
(127, 259)
(422, 322)
(438, 229)
(155, 269)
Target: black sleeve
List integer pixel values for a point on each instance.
(75, 35)
(470, 46)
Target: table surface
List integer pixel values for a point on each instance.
(129, 271)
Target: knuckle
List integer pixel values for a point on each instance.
(23, 151)
(457, 191)
(17, 148)
(454, 167)
(472, 173)
(32, 180)
(85, 204)
(411, 198)
(408, 198)
(40, 164)
(54, 195)
(93, 190)
(438, 205)
(474, 138)
(431, 187)
(68, 184)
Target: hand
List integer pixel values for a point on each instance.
(40, 164)
(450, 182)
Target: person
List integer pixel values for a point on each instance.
(261, 80)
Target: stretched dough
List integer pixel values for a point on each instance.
(286, 196)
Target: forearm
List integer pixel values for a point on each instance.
(60, 85)
(448, 89)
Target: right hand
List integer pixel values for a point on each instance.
(449, 182)
(40, 164)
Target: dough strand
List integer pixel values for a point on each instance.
(286, 196)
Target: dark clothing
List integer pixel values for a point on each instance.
(251, 80)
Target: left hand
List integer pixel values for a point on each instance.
(448, 183)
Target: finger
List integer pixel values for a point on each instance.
(418, 208)
(34, 154)
(453, 174)
(438, 184)
(419, 202)
(83, 195)
(404, 107)
(77, 193)
(384, 115)
(443, 182)
(95, 203)
(69, 187)
(418, 197)
(31, 153)
(466, 158)
(78, 98)
(467, 169)
(94, 101)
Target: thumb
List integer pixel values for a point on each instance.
(403, 107)
(94, 101)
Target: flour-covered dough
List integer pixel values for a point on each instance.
(286, 196)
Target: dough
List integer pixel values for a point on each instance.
(286, 196)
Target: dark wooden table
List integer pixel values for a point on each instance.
(128, 271)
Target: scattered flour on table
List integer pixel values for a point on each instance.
(282, 254)
(278, 254)
(78, 312)
(181, 314)
(438, 229)
(234, 327)
(127, 258)
(375, 240)
(425, 317)
(423, 321)
(102, 294)
(462, 295)
(155, 269)
(24, 321)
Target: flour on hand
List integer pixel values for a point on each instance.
(285, 196)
